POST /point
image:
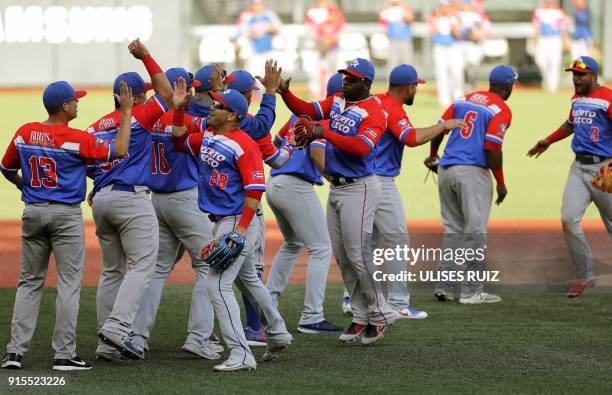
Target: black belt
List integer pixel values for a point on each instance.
(216, 218)
(337, 181)
(125, 188)
(587, 159)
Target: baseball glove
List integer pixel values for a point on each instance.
(603, 178)
(432, 163)
(305, 130)
(219, 255)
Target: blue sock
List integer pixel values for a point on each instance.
(251, 314)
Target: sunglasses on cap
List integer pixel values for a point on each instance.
(221, 106)
(579, 64)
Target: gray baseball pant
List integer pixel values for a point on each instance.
(181, 224)
(221, 293)
(578, 194)
(466, 194)
(302, 222)
(126, 226)
(350, 221)
(390, 231)
(49, 227)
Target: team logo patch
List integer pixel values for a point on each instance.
(502, 129)
(354, 63)
(403, 122)
(101, 142)
(258, 176)
(370, 133)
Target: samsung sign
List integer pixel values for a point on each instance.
(79, 25)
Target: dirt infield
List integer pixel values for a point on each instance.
(525, 252)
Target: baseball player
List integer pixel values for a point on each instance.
(397, 17)
(301, 219)
(582, 39)
(230, 188)
(390, 220)
(126, 224)
(549, 21)
(174, 180)
(464, 182)
(52, 159)
(590, 121)
(474, 28)
(258, 127)
(356, 123)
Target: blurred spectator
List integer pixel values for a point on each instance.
(581, 34)
(325, 22)
(475, 27)
(549, 21)
(259, 25)
(396, 17)
(448, 63)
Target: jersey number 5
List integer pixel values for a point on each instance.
(469, 119)
(158, 153)
(218, 179)
(49, 178)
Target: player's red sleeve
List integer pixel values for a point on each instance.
(189, 143)
(91, 147)
(251, 168)
(370, 131)
(449, 113)
(10, 160)
(194, 124)
(400, 126)
(496, 130)
(148, 113)
(315, 110)
(267, 149)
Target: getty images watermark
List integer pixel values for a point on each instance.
(465, 264)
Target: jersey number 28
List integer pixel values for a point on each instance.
(49, 176)
(470, 118)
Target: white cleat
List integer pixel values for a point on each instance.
(205, 352)
(230, 366)
(411, 313)
(480, 298)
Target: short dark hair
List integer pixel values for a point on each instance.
(117, 104)
(54, 111)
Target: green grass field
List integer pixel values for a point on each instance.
(535, 186)
(529, 343)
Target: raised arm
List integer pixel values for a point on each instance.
(122, 140)
(161, 85)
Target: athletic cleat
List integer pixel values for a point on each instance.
(122, 343)
(319, 327)
(71, 364)
(411, 313)
(216, 347)
(346, 306)
(256, 338)
(480, 298)
(230, 366)
(444, 296)
(273, 352)
(353, 332)
(106, 353)
(205, 351)
(579, 286)
(12, 361)
(373, 333)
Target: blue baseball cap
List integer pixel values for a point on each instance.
(175, 73)
(232, 99)
(133, 80)
(240, 80)
(203, 75)
(360, 68)
(502, 75)
(334, 84)
(60, 92)
(404, 74)
(584, 65)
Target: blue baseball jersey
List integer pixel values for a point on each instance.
(135, 169)
(172, 171)
(549, 20)
(582, 21)
(390, 148)
(487, 117)
(300, 165)
(442, 28)
(591, 117)
(394, 20)
(53, 161)
(258, 126)
(365, 119)
(256, 27)
(229, 164)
